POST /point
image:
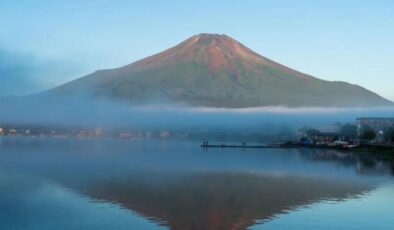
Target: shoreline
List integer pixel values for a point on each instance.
(370, 148)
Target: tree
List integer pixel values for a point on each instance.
(388, 134)
(312, 132)
(392, 135)
(303, 129)
(368, 135)
(349, 131)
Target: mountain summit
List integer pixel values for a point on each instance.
(217, 71)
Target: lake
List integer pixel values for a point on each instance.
(117, 184)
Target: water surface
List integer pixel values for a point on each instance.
(115, 184)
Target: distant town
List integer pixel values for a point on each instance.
(371, 130)
(41, 131)
(375, 130)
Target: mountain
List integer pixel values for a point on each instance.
(217, 71)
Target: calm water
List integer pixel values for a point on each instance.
(114, 184)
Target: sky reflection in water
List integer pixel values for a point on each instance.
(111, 184)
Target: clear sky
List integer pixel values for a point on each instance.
(48, 42)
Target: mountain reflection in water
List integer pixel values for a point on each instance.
(177, 184)
(219, 200)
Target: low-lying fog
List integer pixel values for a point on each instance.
(93, 113)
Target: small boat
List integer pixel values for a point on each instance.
(350, 146)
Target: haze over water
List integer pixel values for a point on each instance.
(115, 184)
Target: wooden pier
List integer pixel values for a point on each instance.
(364, 147)
(242, 145)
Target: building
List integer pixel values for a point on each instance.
(1, 131)
(98, 132)
(164, 134)
(125, 135)
(82, 134)
(326, 137)
(27, 132)
(379, 125)
(13, 132)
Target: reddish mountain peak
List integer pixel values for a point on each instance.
(217, 52)
(214, 50)
(207, 39)
(222, 43)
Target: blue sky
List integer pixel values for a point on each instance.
(56, 41)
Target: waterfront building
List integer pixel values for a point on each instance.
(164, 134)
(377, 124)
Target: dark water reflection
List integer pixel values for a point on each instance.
(111, 184)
